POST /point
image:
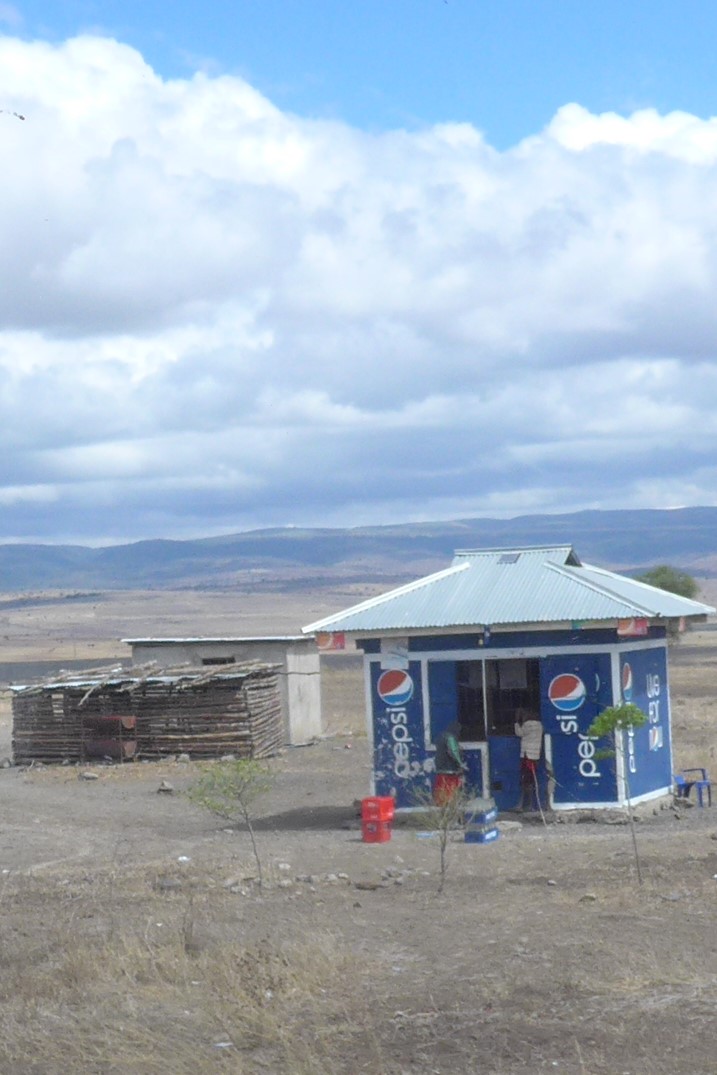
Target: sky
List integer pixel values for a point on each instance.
(272, 263)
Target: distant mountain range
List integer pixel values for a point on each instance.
(291, 558)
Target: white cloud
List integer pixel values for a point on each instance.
(678, 134)
(219, 315)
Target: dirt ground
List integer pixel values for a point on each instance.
(135, 937)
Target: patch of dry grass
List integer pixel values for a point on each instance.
(100, 975)
(694, 714)
(342, 697)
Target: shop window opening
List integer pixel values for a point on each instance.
(510, 685)
(471, 710)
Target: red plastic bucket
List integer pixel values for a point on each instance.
(378, 808)
(375, 832)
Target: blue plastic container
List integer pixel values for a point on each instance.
(479, 821)
(486, 836)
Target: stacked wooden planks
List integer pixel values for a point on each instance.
(215, 715)
(44, 729)
(203, 714)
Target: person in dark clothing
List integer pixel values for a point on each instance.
(449, 764)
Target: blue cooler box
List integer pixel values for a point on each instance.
(479, 821)
(487, 836)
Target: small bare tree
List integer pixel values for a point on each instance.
(230, 789)
(609, 724)
(443, 818)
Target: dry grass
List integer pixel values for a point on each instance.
(101, 975)
(118, 972)
(694, 709)
(342, 702)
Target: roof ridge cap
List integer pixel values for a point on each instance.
(572, 571)
(515, 548)
(648, 586)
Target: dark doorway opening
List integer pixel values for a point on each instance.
(511, 685)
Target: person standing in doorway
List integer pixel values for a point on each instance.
(530, 732)
(449, 764)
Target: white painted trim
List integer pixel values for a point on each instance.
(548, 750)
(669, 709)
(645, 643)
(587, 806)
(427, 743)
(369, 720)
(619, 743)
(484, 686)
(650, 795)
(526, 653)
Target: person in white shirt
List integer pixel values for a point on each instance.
(530, 732)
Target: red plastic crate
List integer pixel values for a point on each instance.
(378, 808)
(375, 832)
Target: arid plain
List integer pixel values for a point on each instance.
(135, 938)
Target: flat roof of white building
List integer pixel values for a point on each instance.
(205, 638)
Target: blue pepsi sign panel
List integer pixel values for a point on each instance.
(648, 755)
(399, 749)
(573, 690)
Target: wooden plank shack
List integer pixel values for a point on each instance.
(150, 714)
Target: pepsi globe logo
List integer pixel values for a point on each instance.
(656, 739)
(395, 687)
(567, 692)
(626, 682)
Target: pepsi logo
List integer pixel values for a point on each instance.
(626, 682)
(395, 687)
(567, 692)
(656, 737)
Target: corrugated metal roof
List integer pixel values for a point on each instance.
(184, 679)
(494, 587)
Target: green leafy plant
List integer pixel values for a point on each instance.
(230, 789)
(610, 724)
(670, 579)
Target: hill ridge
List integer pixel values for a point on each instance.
(296, 557)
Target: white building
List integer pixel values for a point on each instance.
(296, 656)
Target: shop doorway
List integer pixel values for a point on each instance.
(455, 690)
(510, 685)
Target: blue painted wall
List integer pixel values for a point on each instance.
(399, 748)
(573, 690)
(504, 753)
(643, 677)
(574, 687)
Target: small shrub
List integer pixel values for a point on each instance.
(443, 818)
(230, 789)
(608, 724)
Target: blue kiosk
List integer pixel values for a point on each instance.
(502, 630)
